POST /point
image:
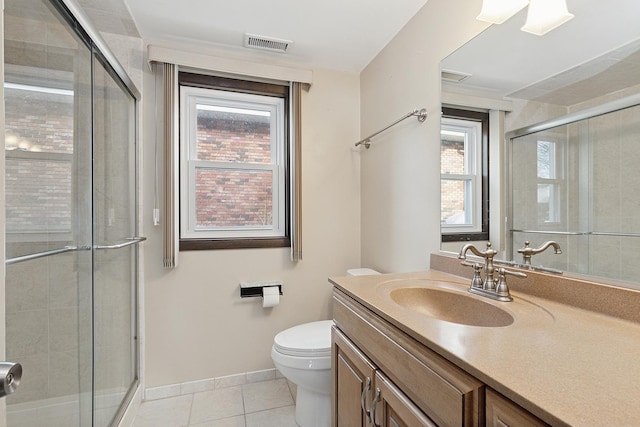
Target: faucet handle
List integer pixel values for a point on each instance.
(502, 290)
(476, 280)
(505, 271)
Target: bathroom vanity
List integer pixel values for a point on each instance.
(396, 362)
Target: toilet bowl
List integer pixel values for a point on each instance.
(303, 355)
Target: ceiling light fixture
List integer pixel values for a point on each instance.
(498, 11)
(542, 16)
(545, 15)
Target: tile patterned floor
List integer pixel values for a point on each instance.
(260, 404)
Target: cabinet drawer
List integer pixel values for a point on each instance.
(501, 412)
(444, 392)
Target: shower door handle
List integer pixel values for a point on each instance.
(10, 376)
(127, 242)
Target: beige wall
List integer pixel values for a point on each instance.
(196, 325)
(401, 171)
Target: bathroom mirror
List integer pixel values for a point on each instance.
(573, 183)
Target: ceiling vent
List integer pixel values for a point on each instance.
(453, 76)
(267, 43)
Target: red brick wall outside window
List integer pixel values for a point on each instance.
(237, 198)
(452, 192)
(39, 161)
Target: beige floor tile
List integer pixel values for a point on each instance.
(225, 422)
(293, 388)
(169, 412)
(217, 404)
(279, 417)
(266, 395)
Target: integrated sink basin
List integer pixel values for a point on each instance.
(455, 307)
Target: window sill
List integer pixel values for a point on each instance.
(208, 244)
(465, 237)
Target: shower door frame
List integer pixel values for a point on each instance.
(3, 402)
(567, 119)
(98, 57)
(79, 23)
(100, 48)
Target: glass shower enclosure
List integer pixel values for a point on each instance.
(71, 221)
(575, 180)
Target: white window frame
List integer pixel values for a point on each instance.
(190, 97)
(555, 180)
(472, 177)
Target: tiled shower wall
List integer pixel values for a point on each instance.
(45, 318)
(599, 182)
(42, 310)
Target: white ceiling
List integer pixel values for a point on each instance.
(335, 34)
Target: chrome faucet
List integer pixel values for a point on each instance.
(488, 254)
(488, 287)
(527, 251)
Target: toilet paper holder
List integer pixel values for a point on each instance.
(254, 289)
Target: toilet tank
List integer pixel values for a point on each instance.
(361, 272)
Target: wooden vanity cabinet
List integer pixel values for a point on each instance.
(501, 412)
(377, 367)
(353, 377)
(417, 387)
(360, 388)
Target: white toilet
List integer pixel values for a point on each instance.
(303, 355)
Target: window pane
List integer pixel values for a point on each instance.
(234, 198)
(233, 135)
(548, 203)
(546, 160)
(452, 155)
(455, 203)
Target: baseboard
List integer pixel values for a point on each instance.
(172, 390)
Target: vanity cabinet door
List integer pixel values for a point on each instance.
(501, 412)
(445, 393)
(353, 377)
(393, 408)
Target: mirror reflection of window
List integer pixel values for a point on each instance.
(549, 182)
(462, 172)
(458, 169)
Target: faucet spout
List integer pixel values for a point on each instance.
(546, 245)
(472, 248)
(528, 251)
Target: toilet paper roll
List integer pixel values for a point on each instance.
(270, 296)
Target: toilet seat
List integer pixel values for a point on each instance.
(306, 340)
